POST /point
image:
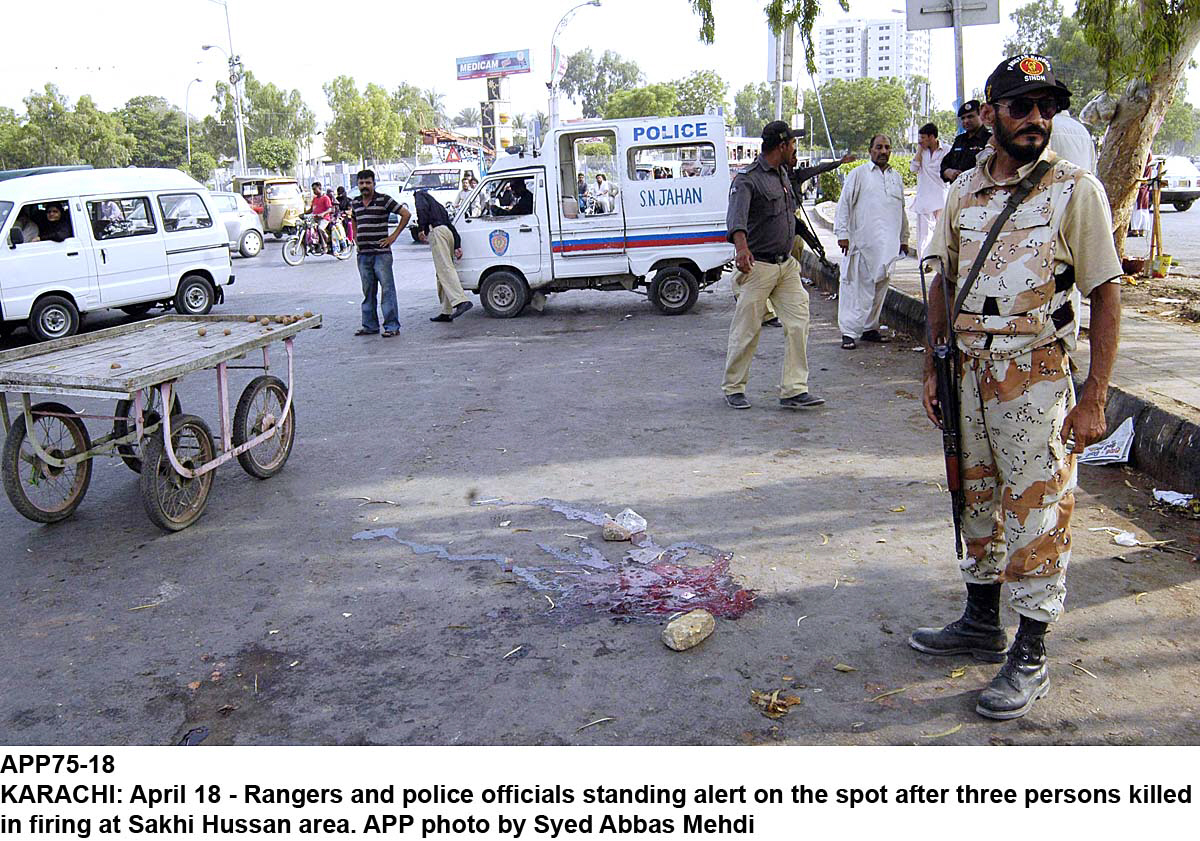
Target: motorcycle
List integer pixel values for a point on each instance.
(308, 241)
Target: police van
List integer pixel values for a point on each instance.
(638, 220)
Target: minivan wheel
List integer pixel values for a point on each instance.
(1182, 206)
(504, 294)
(251, 244)
(53, 317)
(195, 296)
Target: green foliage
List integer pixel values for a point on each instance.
(1133, 37)
(365, 126)
(437, 106)
(699, 91)
(468, 118)
(649, 101)
(1041, 28)
(1180, 124)
(857, 109)
(53, 133)
(592, 82)
(267, 111)
(158, 130)
(597, 149)
(830, 184)
(754, 107)
(202, 165)
(415, 114)
(947, 123)
(277, 154)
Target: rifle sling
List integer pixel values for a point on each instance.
(1024, 188)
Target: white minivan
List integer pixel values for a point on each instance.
(72, 242)
(635, 204)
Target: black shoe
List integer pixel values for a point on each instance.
(1022, 679)
(801, 401)
(363, 331)
(737, 401)
(876, 337)
(977, 633)
(442, 317)
(460, 309)
(772, 322)
(848, 343)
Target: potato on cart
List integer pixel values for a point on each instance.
(47, 456)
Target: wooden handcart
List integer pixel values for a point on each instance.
(47, 457)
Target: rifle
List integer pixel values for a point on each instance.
(946, 371)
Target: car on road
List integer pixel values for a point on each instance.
(243, 225)
(1181, 183)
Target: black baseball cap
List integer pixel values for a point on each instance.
(968, 107)
(1022, 74)
(776, 133)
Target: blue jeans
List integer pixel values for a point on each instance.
(376, 269)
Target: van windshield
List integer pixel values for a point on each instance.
(434, 179)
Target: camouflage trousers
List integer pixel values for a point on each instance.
(1018, 477)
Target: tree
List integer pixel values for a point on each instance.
(649, 101)
(159, 131)
(202, 165)
(416, 115)
(860, 108)
(277, 154)
(1144, 47)
(592, 82)
(699, 91)
(437, 106)
(468, 118)
(1041, 28)
(52, 133)
(1180, 123)
(947, 123)
(364, 126)
(1037, 23)
(754, 107)
(267, 111)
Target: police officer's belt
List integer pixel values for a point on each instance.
(772, 258)
(1023, 189)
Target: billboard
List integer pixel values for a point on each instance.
(493, 64)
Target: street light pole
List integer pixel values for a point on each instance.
(553, 83)
(187, 119)
(235, 78)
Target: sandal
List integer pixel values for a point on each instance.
(848, 343)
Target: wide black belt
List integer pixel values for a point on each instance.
(771, 258)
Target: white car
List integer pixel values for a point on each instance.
(1181, 183)
(243, 225)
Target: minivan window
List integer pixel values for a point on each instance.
(434, 179)
(120, 218)
(183, 212)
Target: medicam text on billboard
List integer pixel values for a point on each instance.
(493, 64)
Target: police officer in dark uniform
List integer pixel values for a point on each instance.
(967, 145)
(761, 224)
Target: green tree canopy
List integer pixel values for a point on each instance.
(1041, 28)
(52, 132)
(268, 111)
(202, 166)
(277, 154)
(859, 108)
(468, 118)
(365, 126)
(649, 101)
(158, 129)
(754, 107)
(592, 82)
(416, 115)
(699, 91)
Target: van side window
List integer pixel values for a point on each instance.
(504, 197)
(45, 221)
(592, 155)
(688, 160)
(183, 212)
(120, 218)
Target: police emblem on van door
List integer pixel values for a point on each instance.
(499, 242)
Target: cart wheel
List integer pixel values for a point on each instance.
(150, 415)
(38, 491)
(171, 501)
(260, 405)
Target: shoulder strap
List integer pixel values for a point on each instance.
(1024, 188)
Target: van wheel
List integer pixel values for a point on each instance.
(53, 317)
(251, 244)
(1182, 206)
(674, 290)
(504, 294)
(137, 310)
(195, 296)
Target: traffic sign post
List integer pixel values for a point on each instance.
(942, 14)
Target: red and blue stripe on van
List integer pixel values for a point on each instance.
(665, 240)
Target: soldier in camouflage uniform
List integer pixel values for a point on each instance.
(1021, 427)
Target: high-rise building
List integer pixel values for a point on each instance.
(856, 48)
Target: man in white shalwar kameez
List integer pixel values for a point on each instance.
(931, 189)
(872, 230)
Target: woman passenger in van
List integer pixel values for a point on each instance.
(29, 229)
(57, 227)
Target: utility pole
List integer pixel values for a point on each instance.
(960, 89)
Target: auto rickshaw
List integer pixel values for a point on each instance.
(272, 196)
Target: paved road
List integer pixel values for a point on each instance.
(495, 623)
(1181, 235)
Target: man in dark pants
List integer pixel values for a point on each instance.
(967, 145)
(371, 211)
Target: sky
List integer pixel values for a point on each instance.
(114, 52)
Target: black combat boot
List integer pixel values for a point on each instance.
(1022, 679)
(977, 633)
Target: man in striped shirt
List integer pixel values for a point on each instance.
(371, 211)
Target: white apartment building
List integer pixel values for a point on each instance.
(854, 48)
